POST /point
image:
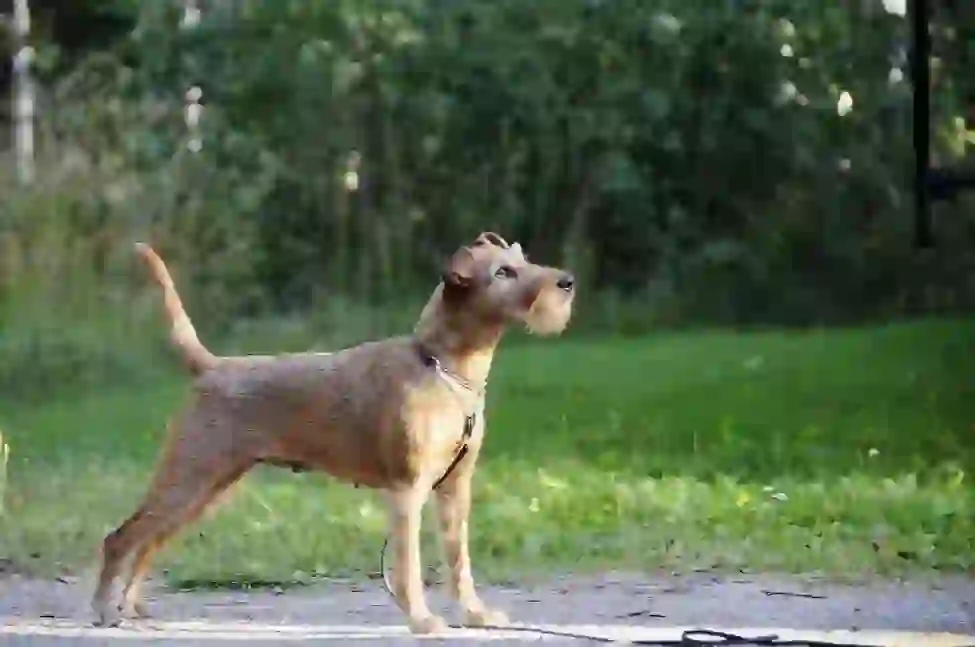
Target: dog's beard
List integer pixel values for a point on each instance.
(549, 314)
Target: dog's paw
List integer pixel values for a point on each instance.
(107, 615)
(485, 618)
(428, 625)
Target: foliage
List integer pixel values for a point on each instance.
(685, 154)
(686, 159)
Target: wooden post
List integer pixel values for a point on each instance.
(23, 93)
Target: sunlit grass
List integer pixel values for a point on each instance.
(846, 452)
(284, 529)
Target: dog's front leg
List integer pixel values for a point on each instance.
(405, 515)
(453, 510)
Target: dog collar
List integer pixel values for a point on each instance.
(430, 360)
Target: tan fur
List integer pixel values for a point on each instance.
(197, 358)
(376, 414)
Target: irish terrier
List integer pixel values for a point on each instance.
(393, 415)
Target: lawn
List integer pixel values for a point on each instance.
(844, 451)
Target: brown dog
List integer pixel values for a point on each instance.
(390, 414)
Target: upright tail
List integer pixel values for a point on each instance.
(195, 355)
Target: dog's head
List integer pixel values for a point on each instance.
(493, 280)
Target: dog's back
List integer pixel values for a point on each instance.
(343, 412)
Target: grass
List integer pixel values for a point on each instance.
(845, 451)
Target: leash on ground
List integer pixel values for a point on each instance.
(689, 638)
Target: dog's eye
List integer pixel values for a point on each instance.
(505, 272)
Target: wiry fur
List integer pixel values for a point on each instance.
(375, 414)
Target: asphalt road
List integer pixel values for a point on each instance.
(55, 614)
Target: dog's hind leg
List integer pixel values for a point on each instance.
(133, 605)
(185, 482)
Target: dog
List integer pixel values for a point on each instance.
(404, 415)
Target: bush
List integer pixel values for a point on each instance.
(690, 158)
(76, 307)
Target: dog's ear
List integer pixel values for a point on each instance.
(459, 270)
(491, 238)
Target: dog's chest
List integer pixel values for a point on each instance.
(440, 423)
(449, 430)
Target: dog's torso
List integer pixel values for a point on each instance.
(373, 414)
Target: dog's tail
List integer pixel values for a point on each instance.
(195, 355)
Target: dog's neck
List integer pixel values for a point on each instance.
(465, 345)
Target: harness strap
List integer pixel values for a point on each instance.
(430, 360)
(462, 452)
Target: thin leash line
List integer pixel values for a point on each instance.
(689, 638)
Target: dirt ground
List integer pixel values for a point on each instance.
(40, 613)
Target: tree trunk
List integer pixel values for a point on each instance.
(23, 93)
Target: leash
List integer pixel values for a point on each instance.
(689, 638)
(462, 452)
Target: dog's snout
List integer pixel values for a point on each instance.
(566, 282)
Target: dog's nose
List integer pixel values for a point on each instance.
(566, 282)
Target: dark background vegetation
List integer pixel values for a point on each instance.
(686, 158)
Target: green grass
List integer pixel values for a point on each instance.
(845, 451)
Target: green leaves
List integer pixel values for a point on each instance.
(658, 140)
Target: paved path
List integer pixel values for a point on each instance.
(42, 613)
